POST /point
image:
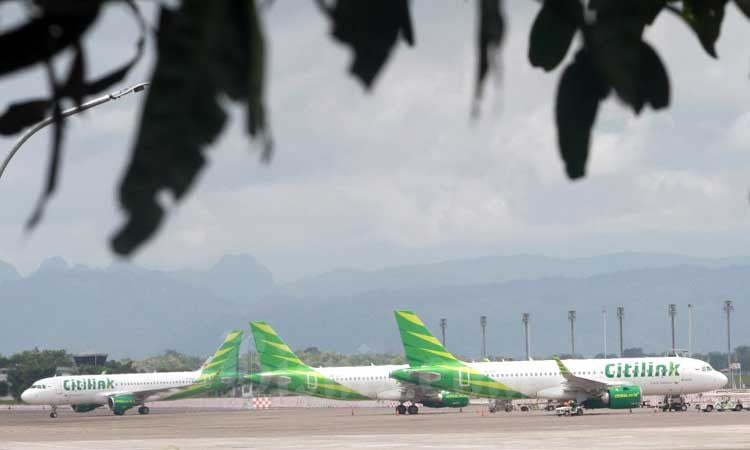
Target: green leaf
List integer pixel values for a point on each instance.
(256, 116)
(34, 42)
(205, 52)
(490, 37)
(581, 89)
(653, 81)
(616, 51)
(705, 17)
(22, 114)
(631, 66)
(371, 28)
(744, 6)
(553, 31)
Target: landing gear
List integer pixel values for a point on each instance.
(401, 409)
(53, 414)
(413, 409)
(508, 407)
(143, 410)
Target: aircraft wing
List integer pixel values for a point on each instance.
(423, 376)
(142, 396)
(581, 383)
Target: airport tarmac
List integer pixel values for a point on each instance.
(337, 428)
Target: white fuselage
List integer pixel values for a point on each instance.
(655, 376)
(371, 381)
(95, 389)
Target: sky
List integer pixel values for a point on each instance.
(402, 174)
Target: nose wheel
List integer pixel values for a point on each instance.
(53, 414)
(143, 410)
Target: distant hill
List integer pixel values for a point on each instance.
(491, 269)
(365, 321)
(237, 278)
(7, 272)
(129, 311)
(124, 311)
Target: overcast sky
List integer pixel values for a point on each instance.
(403, 175)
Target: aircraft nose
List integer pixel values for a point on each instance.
(26, 396)
(721, 380)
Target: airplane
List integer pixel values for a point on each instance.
(593, 383)
(121, 392)
(282, 369)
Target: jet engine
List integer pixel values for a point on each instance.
(120, 403)
(617, 397)
(85, 407)
(446, 399)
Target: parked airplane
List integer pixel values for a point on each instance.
(124, 391)
(282, 369)
(595, 383)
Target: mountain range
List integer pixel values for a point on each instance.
(130, 311)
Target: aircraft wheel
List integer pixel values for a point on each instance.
(579, 412)
(413, 409)
(401, 409)
(118, 412)
(53, 415)
(525, 408)
(144, 410)
(709, 408)
(508, 408)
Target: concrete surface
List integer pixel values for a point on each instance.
(337, 428)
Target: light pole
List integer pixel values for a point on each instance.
(604, 331)
(620, 315)
(672, 309)
(690, 330)
(572, 319)
(483, 323)
(525, 320)
(69, 112)
(728, 308)
(443, 326)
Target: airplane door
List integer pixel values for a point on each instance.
(464, 377)
(312, 381)
(59, 389)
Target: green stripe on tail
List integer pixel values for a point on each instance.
(420, 346)
(273, 353)
(218, 372)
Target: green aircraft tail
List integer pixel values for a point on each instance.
(219, 372)
(420, 346)
(224, 362)
(273, 353)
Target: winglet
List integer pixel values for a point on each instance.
(563, 370)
